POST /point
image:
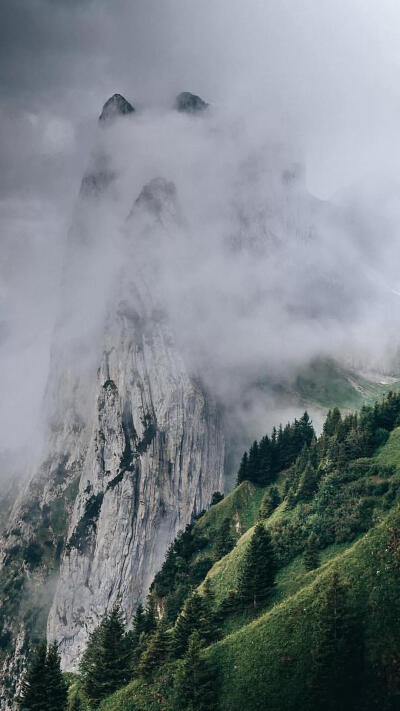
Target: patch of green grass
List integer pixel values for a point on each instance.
(389, 453)
(241, 506)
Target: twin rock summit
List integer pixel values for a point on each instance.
(117, 105)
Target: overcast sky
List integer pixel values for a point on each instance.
(325, 71)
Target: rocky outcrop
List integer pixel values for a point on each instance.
(116, 106)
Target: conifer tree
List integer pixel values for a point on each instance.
(106, 663)
(34, 686)
(210, 617)
(190, 620)
(56, 686)
(253, 464)
(224, 541)
(337, 650)
(311, 553)
(257, 575)
(307, 484)
(156, 652)
(139, 624)
(242, 473)
(270, 501)
(194, 680)
(150, 617)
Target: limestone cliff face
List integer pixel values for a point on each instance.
(155, 456)
(134, 445)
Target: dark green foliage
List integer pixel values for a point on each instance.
(43, 688)
(381, 436)
(191, 619)
(257, 575)
(243, 469)
(106, 662)
(337, 653)
(270, 501)
(180, 573)
(307, 483)
(34, 686)
(269, 456)
(194, 687)
(210, 627)
(139, 623)
(156, 652)
(150, 616)
(311, 552)
(216, 498)
(224, 541)
(56, 686)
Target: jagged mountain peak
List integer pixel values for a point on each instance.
(115, 106)
(189, 103)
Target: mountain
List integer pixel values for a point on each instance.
(134, 442)
(192, 257)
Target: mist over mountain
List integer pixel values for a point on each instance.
(199, 222)
(280, 127)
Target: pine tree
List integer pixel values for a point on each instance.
(337, 650)
(210, 619)
(256, 578)
(307, 484)
(270, 501)
(194, 680)
(253, 466)
(150, 616)
(156, 652)
(311, 554)
(56, 686)
(224, 541)
(106, 663)
(190, 620)
(139, 623)
(242, 473)
(34, 686)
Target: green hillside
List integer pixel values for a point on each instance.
(283, 595)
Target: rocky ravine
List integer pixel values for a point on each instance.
(134, 450)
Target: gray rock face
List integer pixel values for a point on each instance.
(154, 458)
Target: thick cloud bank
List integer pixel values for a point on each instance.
(256, 274)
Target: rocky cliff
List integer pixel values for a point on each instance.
(134, 445)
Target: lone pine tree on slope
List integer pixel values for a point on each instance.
(257, 574)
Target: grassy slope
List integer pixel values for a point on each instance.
(224, 573)
(266, 662)
(255, 660)
(258, 659)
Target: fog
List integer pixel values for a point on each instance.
(284, 243)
